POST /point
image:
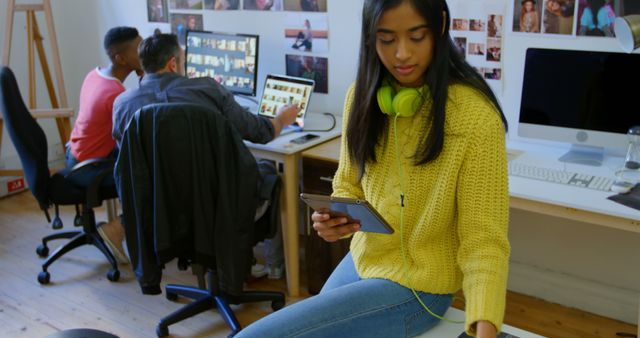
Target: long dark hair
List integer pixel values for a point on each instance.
(367, 124)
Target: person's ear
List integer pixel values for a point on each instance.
(172, 65)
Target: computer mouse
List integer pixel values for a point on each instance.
(621, 187)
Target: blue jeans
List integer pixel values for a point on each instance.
(349, 306)
(84, 176)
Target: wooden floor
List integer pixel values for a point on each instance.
(80, 296)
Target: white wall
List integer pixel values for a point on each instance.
(602, 259)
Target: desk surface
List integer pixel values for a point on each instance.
(569, 198)
(282, 144)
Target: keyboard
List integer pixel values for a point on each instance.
(560, 176)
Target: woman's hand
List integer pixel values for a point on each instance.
(485, 329)
(332, 229)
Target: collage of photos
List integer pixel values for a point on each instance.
(310, 67)
(229, 59)
(278, 93)
(544, 16)
(477, 35)
(571, 17)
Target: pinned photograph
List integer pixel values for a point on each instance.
(305, 5)
(460, 25)
(222, 5)
(157, 11)
(527, 16)
(477, 25)
(185, 4)
(306, 33)
(263, 5)
(310, 67)
(461, 45)
(180, 23)
(557, 17)
(597, 17)
(476, 49)
(494, 50)
(494, 26)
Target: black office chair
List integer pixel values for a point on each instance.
(31, 144)
(189, 190)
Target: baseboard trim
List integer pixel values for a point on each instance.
(605, 300)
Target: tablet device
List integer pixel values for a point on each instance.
(356, 211)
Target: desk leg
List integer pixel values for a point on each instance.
(111, 209)
(290, 215)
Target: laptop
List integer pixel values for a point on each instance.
(280, 90)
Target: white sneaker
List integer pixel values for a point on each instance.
(258, 271)
(276, 272)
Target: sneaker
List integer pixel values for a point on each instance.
(276, 272)
(258, 271)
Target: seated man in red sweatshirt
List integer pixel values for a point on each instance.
(91, 135)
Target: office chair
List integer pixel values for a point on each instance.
(189, 190)
(31, 144)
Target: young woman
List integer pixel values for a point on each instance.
(437, 173)
(529, 18)
(597, 19)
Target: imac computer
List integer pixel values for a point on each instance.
(588, 99)
(230, 59)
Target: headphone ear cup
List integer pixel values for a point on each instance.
(385, 100)
(406, 102)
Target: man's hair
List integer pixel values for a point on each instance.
(117, 36)
(156, 50)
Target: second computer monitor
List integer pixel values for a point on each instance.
(230, 59)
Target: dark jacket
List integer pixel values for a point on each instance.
(188, 187)
(171, 87)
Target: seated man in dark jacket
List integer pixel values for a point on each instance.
(162, 61)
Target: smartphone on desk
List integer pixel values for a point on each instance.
(355, 210)
(304, 138)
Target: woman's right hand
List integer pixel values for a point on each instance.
(332, 229)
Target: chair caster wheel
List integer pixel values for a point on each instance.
(277, 305)
(171, 296)
(113, 275)
(42, 250)
(44, 277)
(162, 331)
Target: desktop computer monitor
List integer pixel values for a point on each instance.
(588, 99)
(230, 59)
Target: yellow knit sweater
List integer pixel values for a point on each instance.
(456, 207)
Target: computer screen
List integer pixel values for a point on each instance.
(230, 59)
(581, 97)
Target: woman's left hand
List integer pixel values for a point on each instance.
(485, 329)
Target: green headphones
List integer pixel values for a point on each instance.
(404, 103)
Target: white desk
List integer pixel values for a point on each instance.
(445, 329)
(288, 158)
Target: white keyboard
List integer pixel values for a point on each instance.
(560, 176)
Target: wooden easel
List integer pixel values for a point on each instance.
(59, 107)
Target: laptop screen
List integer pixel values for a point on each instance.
(280, 90)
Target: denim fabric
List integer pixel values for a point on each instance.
(349, 306)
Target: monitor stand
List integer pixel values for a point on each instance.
(586, 155)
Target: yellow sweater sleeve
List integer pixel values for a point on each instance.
(483, 204)
(345, 181)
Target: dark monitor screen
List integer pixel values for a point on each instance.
(581, 90)
(230, 59)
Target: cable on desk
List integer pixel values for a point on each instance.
(333, 123)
